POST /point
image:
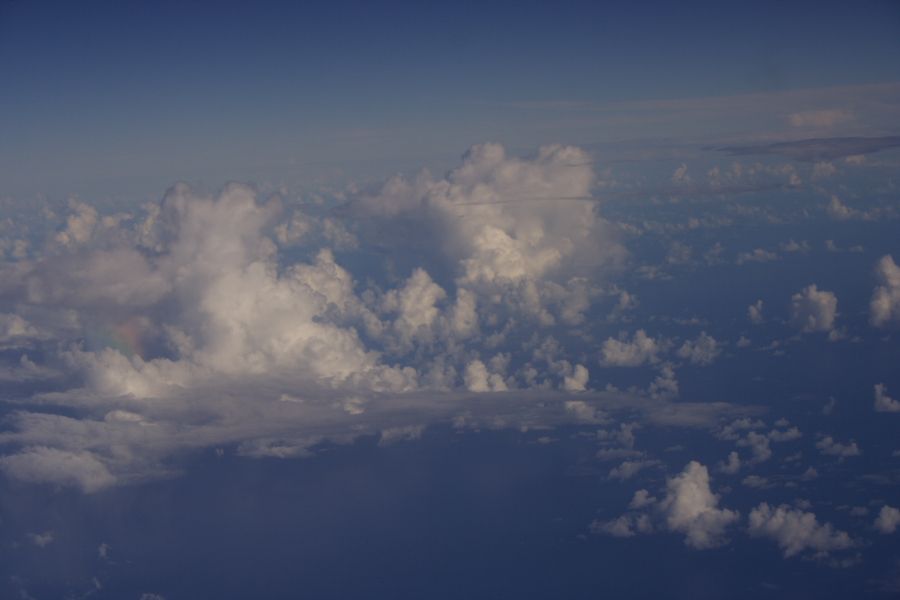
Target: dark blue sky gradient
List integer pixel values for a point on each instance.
(101, 90)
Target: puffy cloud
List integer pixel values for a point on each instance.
(883, 402)
(796, 531)
(630, 468)
(755, 312)
(509, 229)
(758, 444)
(888, 519)
(41, 539)
(641, 499)
(884, 309)
(691, 508)
(641, 349)
(827, 446)
(577, 382)
(701, 351)
(478, 379)
(813, 309)
(757, 255)
(49, 465)
(733, 465)
(624, 526)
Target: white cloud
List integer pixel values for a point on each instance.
(702, 351)
(41, 539)
(829, 447)
(888, 519)
(883, 402)
(755, 312)
(813, 309)
(690, 508)
(48, 465)
(758, 444)
(624, 526)
(884, 309)
(819, 119)
(641, 349)
(796, 531)
(733, 465)
(630, 468)
(756, 255)
(641, 499)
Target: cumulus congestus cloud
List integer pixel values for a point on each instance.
(194, 323)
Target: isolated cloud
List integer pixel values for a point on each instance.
(702, 351)
(888, 519)
(640, 349)
(884, 309)
(691, 508)
(819, 119)
(829, 447)
(796, 531)
(813, 309)
(883, 402)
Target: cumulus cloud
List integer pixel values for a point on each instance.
(813, 309)
(630, 468)
(829, 447)
(624, 526)
(755, 312)
(883, 402)
(691, 508)
(884, 309)
(888, 519)
(231, 321)
(702, 351)
(733, 465)
(796, 531)
(623, 352)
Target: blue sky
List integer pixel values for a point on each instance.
(108, 96)
(480, 300)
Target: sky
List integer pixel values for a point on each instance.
(338, 300)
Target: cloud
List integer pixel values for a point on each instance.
(819, 149)
(755, 312)
(883, 402)
(796, 531)
(624, 526)
(888, 519)
(733, 465)
(819, 119)
(622, 352)
(813, 309)
(40, 464)
(827, 446)
(630, 468)
(884, 309)
(702, 351)
(690, 508)
(41, 539)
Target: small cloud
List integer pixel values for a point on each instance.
(796, 531)
(819, 119)
(888, 519)
(813, 309)
(41, 539)
(827, 446)
(883, 402)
